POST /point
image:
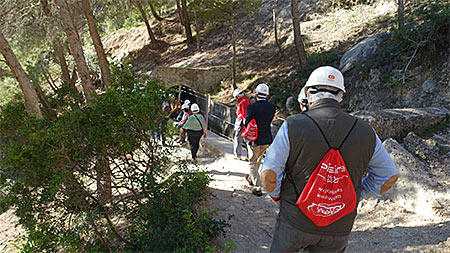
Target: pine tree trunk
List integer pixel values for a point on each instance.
(147, 24)
(45, 8)
(180, 14)
(155, 15)
(299, 47)
(57, 47)
(98, 45)
(401, 12)
(44, 101)
(187, 22)
(59, 53)
(31, 98)
(49, 81)
(275, 28)
(76, 47)
(197, 30)
(233, 35)
(104, 190)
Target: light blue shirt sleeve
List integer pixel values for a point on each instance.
(277, 157)
(380, 169)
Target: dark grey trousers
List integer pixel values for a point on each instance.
(286, 238)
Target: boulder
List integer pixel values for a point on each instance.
(395, 122)
(362, 51)
(426, 149)
(415, 190)
(429, 86)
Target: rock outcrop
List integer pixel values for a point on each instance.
(362, 51)
(415, 190)
(395, 122)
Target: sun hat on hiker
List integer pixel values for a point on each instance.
(237, 92)
(187, 102)
(195, 108)
(262, 90)
(184, 106)
(326, 76)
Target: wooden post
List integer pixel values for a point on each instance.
(207, 110)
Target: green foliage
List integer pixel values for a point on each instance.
(423, 36)
(114, 15)
(56, 170)
(281, 90)
(9, 90)
(218, 11)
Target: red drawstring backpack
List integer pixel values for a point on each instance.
(251, 132)
(329, 194)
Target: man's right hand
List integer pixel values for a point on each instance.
(269, 179)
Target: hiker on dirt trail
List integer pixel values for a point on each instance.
(181, 114)
(241, 112)
(186, 112)
(176, 107)
(195, 127)
(263, 113)
(162, 125)
(313, 190)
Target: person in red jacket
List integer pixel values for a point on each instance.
(241, 112)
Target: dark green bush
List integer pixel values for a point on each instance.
(281, 90)
(56, 174)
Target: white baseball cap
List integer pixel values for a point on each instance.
(195, 108)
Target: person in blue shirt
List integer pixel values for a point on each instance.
(195, 127)
(298, 148)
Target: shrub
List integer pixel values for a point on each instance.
(422, 38)
(9, 90)
(281, 90)
(96, 179)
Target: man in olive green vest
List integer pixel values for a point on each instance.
(298, 148)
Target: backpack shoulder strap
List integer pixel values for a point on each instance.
(320, 129)
(353, 126)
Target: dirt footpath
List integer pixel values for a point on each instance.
(381, 225)
(9, 232)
